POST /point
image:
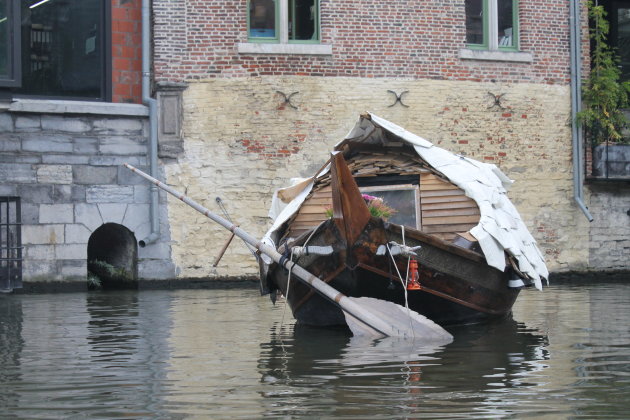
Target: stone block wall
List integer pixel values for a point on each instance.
(609, 241)
(66, 169)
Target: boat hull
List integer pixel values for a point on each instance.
(456, 285)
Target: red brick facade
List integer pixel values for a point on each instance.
(127, 51)
(197, 39)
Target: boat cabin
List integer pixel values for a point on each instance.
(389, 168)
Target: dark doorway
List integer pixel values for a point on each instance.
(112, 258)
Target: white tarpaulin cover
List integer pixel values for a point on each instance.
(500, 226)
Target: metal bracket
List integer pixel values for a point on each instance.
(398, 98)
(497, 100)
(287, 99)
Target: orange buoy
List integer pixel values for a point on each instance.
(413, 284)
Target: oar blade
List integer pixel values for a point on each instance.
(402, 322)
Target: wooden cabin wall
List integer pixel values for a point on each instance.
(445, 210)
(312, 212)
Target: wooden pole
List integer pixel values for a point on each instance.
(225, 247)
(338, 298)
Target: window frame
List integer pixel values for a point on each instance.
(491, 28)
(14, 77)
(282, 25)
(400, 187)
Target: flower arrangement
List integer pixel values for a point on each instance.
(376, 205)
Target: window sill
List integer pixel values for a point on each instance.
(77, 107)
(485, 55)
(297, 49)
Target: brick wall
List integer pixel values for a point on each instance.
(197, 39)
(241, 144)
(126, 51)
(241, 140)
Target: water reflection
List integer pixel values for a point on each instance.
(113, 325)
(229, 354)
(360, 375)
(11, 344)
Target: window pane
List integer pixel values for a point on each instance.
(403, 201)
(262, 19)
(623, 41)
(474, 21)
(303, 17)
(505, 14)
(4, 38)
(62, 48)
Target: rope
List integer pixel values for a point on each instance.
(286, 298)
(404, 283)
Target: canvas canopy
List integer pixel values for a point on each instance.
(500, 227)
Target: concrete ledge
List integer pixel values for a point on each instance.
(200, 283)
(297, 49)
(174, 284)
(51, 287)
(511, 56)
(589, 277)
(46, 106)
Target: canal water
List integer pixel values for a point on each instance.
(232, 354)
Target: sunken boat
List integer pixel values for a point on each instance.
(392, 216)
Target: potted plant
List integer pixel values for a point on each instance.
(605, 97)
(376, 205)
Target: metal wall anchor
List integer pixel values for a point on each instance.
(398, 98)
(497, 100)
(287, 99)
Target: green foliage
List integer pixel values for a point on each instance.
(376, 205)
(94, 282)
(99, 271)
(604, 95)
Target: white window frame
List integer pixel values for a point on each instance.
(492, 51)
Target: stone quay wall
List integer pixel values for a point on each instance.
(63, 159)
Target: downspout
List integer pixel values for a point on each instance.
(152, 104)
(576, 105)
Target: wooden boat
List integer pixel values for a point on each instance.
(473, 253)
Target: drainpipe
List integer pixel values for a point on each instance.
(576, 105)
(152, 104)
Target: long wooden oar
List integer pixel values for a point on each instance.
(364, 315)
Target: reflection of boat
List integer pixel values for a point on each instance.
(474, 252)
(504, 352)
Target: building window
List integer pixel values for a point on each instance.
(283, 21)
(492, 24)
(9, 43)
(10, 244)
(63, 48)
(55, 48)
(619, 36)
